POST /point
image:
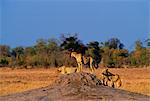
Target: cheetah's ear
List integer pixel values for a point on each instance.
(75, 70)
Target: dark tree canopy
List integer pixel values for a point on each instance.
(148, 42)
(94, 51)
(114, 43)
(72, 43)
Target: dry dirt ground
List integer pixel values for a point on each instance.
(12, 81)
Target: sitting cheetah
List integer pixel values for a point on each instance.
(67, 70)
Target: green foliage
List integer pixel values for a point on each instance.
(145, 57)
(138, 45)
(113, 43)
(53, 53)
(3, 62)
(113, 54)
(4, 50)
(29, 51)
(18, 54)
(52, 45)
(140, 57)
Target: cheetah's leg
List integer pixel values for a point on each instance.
(91, 65)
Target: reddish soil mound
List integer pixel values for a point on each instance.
(76, 86)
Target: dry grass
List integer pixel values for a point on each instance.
(12, 81)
